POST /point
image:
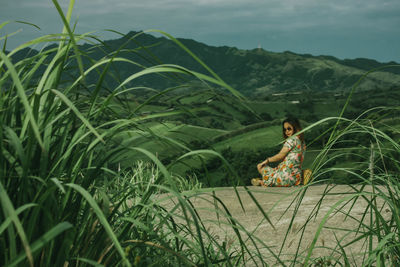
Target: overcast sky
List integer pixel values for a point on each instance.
(341, 28)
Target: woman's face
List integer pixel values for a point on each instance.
(288, 128)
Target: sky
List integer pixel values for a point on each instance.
(341, 28)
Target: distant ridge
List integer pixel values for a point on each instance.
(255, 72)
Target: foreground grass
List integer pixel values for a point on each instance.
(64, 200)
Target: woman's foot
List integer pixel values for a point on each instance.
(256, 181)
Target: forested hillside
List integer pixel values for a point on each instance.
(254, 73)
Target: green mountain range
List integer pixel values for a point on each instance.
(255, 73)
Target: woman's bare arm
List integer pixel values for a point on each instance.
(278, 157)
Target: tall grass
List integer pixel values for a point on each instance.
(368, 149)
(65, 202)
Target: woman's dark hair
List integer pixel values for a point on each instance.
(296, 127)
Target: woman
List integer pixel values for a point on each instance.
(288, 172)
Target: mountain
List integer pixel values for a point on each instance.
(253, 72)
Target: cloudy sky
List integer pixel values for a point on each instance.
(341, 28)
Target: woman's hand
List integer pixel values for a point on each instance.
(262, 164)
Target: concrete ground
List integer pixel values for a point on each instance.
(279, 205)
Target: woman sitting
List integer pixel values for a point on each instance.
(288, 172)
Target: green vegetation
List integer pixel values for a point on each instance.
(255, 73)
(90, 159)
(64, 197)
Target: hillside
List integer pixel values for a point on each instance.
(198, 116)
(255, 73)
(259, 72)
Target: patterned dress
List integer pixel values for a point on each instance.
(288, 172)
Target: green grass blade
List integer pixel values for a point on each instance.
(4, 24)
(23, 97)
(8, 220)
(102, 219)
(77, 113)
(259, 206)
(66, 21)
(28, 23)
(321, 225)
(44, 239)
(16, 143)
(10, 212)
(91, 262)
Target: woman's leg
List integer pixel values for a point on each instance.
(257, 181)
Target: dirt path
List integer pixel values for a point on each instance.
(274, 202)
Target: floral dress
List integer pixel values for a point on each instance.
(288, 172)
